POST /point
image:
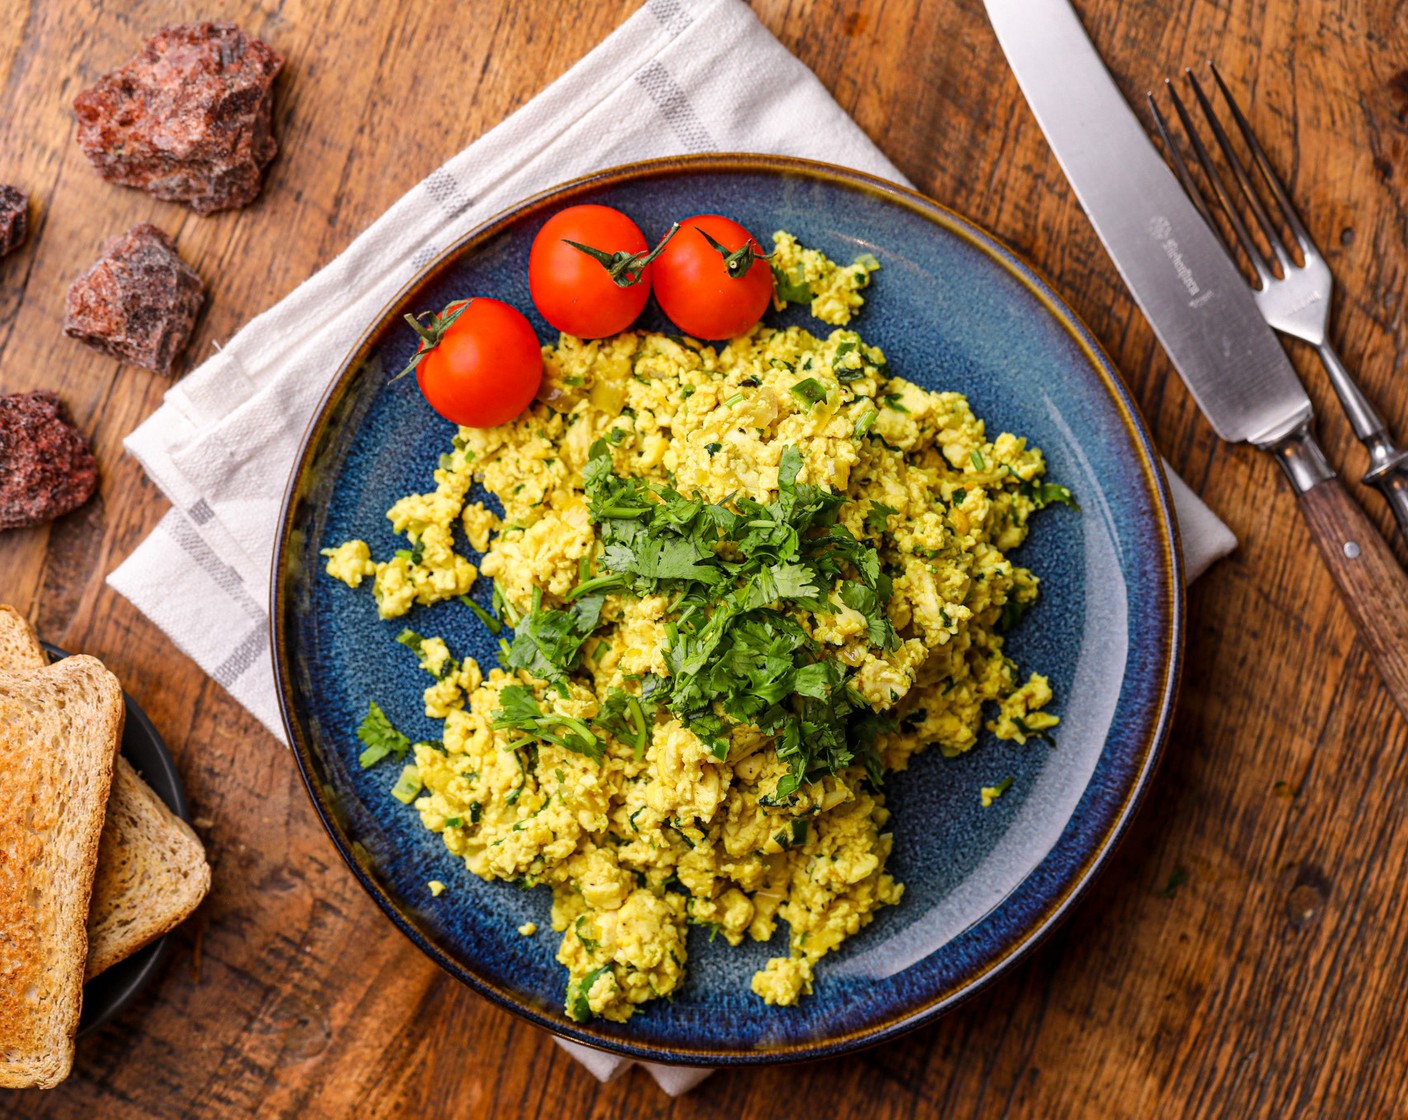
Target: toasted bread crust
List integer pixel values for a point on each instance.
(152, 870)
(60, 728)
(151, 874)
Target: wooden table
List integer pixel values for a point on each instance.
(1243, 954)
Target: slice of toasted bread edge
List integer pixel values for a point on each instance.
(61, 726)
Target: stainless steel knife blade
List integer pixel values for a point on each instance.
(1190, 291)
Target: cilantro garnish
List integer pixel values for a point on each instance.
(1043, 494)
(789, 290)
(737, 572)
(578, 1009)
(624, 716)
(519, 711)
(380, 737)
(810, 390)
(492, 624)
(877, 517)
(548, 643)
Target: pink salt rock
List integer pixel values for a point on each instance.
(138, 303)
(188, 119)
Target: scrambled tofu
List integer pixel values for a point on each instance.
(665, 832)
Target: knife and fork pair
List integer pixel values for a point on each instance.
(1216, 328)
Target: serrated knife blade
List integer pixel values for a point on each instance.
(1197, 302)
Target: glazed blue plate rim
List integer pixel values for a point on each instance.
(1058, 897)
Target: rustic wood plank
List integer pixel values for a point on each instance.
(1241, 955)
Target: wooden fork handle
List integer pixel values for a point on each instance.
(1373, 585)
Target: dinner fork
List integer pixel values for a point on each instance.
(1295, 301)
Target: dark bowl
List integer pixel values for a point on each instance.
(951, 307)
(107, 994)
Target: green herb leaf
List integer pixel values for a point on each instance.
(1043, 494)
(380, 737)
(789, 289)
(578, 1008)
(811, 390)
(492, 624)
(877, 517)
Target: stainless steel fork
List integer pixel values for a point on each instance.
(1295, 300)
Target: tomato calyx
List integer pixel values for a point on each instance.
(737, 261)
(431, 332)
(625, 269)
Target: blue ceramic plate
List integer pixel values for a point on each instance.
(953, 309)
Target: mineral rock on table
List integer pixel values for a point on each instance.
(138, 303)
(14, 213)
(188, 119)
(46, 464)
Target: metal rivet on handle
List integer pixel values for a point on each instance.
(1351, 549)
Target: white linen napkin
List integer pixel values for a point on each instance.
(222, 445)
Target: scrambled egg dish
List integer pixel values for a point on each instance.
(745, 583)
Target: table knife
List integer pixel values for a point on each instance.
(1198, 304)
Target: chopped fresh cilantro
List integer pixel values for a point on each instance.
(624, 717)
(790, 290)
(892, 400)
(380, 737)
(810, 390)
(877, 517)
(492, 624)
(548, 643)
(1043, 494)
(578, 1008)
(713, 448)
(1021, 726)
(591, 945)
(795, 834)
(519, 711)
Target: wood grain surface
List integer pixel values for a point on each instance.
(1243, 956)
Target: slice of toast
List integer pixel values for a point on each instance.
(60, 728)
(152, 871)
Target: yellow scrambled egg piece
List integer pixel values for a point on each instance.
(834, 289)
(640, 845)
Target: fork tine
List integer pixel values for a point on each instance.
(1239, 172)
(1288, 212)
(1190, 188)
(1258, 262)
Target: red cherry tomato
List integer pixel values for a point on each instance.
(707, 292)
(485, 367)
(575, 291)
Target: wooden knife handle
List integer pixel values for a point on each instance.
(1374, 587)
